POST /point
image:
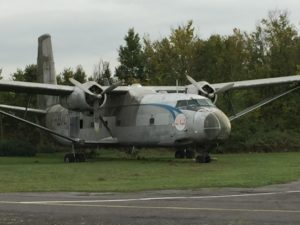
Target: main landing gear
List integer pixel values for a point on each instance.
(74, 157)
(77, 157)
(185, 153)
(203, 157)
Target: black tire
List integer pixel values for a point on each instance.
(205, 158)
(179, 154)
(190, 154)
(80, 157)
(69, 158)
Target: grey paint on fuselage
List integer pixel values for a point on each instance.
(141, 117)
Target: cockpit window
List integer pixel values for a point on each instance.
(181, 104)
(205, 102)
(194, 104)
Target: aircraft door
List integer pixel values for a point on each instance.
(74, 123)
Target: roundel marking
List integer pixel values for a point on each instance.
(180, 122)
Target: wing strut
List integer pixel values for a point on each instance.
(73, 140)
(263, 102)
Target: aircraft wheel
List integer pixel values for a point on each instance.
(204, 158)
(69, 158)
(179, 154)
(190, 154)
(80, 157)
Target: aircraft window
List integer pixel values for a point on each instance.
(205, 102)
(106, 123)
(81, 124)
(151, 121)
(194, 104)
(181, 104)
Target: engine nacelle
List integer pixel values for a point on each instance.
(205, 89)
(80, 101)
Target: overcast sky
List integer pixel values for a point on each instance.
(85, 31)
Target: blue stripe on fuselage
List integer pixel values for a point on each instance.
(174, 111)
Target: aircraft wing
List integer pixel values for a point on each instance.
(36, 88)
(23, 109)
(61, 90)
(236, 84)
(259, 82)
(47, 89)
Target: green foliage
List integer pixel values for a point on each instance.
(171, 58)
(16, 148)
(79, 75)
(28, 75)
(132, 60)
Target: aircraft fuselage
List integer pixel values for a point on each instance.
(156, 119)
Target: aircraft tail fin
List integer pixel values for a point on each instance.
(46, 69)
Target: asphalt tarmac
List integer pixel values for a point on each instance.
(270, 205)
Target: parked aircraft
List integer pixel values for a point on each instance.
(183, 117)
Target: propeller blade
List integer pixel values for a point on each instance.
(105, 125)
(79, 85)
(193, 82)
(96, 116)
(111, 87)
(224, 88)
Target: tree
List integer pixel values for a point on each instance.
(209, 59)
(29, 74)
(102, 73)
(172, 58)
(80, 74)
(131, 59)
(182, 43)
(68, 73)
(12, 127)
(273, 46)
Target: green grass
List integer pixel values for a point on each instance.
(156, 170)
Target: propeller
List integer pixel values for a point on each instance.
(96, 101)
(211, 95)
(112, 87)
(193, 82)
(80, 86)
(97, 115)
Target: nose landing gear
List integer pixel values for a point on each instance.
(185, 153)
(199, 153)
(203, 157)
(203, 152)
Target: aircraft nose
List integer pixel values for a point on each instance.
(216, 124)
(212, 126)
(217, 117)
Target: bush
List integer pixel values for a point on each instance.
(47, 149)
(264, 141)
(16, 148)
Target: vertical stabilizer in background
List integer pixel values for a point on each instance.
(46, 69)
